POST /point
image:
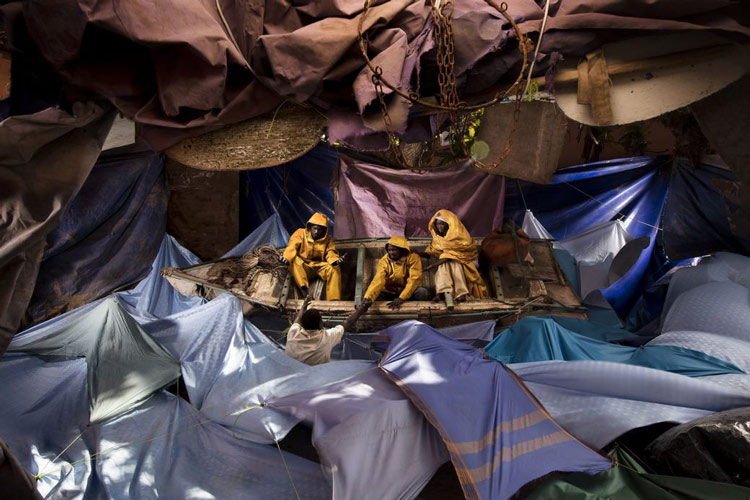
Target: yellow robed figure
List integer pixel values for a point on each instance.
(399, 273)
(311, 253)
(458, 275)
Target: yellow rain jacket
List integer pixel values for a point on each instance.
(302, 245)
(401, 277)
(458, 245)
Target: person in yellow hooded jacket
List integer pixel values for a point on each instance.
(456, 250)
(398, 275)
(311, 253)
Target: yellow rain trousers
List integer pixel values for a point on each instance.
(399, 278)
(309, 258)
(457, 245)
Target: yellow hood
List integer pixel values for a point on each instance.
(318, 219)
(399, 241)
(457, 232)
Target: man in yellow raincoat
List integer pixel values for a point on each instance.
(456, 250)
(311, 253)
(398, 275)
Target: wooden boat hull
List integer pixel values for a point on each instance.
(521, 289)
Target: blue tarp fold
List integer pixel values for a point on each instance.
(108, 236)
(498, 436)
(294, 191)
(542, 339)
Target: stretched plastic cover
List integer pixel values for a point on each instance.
(125, 365)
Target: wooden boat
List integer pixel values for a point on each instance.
(533, 287)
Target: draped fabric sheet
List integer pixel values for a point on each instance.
(722, 308)
(192, 457)
(44, 160)
(380, 202)
(368, 435)
(498, 436)
(195, 75)
(108, 236)
(229, 367)
(270, 232)
(722, 266)
(125, 365)
(696, 217)
(370, 346)
(598, 401)
(542, 339)
(164, 448)
(154, 297)
(643, 193)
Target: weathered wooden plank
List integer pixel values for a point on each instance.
(360, 275)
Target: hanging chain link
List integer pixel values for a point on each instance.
(459, 114)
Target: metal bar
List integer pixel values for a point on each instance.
(449, 301)
(360, 275)
(285, 290)
(498, 282)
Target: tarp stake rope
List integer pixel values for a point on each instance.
(41, 471)
(622, 215)
(288, 472)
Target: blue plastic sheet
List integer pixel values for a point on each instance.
(108, 236)
(542, 339)
(586, 195)
(498, 436)
(647, 193)
(294, 191)
(270, 232)
(597, 401)
(695, 217)
(154, 297)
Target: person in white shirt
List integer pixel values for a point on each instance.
(307, 341)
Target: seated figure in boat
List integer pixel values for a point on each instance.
(398, 276)
(456, 252)
(307, 341)
(311, 253)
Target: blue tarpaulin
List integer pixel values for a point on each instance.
(695, 216)
(498, 436)
(542, 339)
(154, 297)
(583, 196)
(108, 236)
(294, 191)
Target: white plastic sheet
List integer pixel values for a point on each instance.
(534, 228)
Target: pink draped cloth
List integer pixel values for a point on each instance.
(379, 202)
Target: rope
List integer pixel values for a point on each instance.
(523, 198)
(288, 472)
(622, 215)
(536, 49)
(41, 471)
